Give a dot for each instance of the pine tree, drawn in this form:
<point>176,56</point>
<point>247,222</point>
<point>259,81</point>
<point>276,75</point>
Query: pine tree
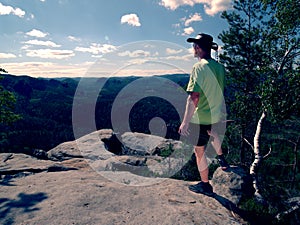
<point>7,103</point>
<point>261,54</point>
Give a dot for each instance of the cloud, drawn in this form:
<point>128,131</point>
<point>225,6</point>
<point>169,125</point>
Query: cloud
<point>96,49</point>
<point>50,53</point>
<point>135,54</point>
<point>42,43</point>
<point>211,7</point>
<point>7,55</point>
<point>72,38</point>
<point>131,19</point>
<point>193,18</point>
<point>36,33</point>
<point>170,51</point>
<point>188,31</point>
<point>47,69</point>
<point>6,10</point>
<point>217,6</point>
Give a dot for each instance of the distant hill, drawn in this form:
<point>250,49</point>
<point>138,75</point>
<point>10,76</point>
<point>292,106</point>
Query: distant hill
<point>46,109</point>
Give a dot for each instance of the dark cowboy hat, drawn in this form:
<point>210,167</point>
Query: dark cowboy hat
<point>204,41</point>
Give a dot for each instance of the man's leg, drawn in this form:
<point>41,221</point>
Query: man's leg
<point>216,143</point>
<point>202,187</point>
<point>201,162</point>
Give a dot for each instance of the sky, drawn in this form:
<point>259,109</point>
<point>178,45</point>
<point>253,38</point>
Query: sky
<point>75,38</point>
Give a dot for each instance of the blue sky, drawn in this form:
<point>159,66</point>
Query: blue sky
<point>65,38</point>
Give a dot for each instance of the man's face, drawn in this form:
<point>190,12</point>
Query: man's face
<point>198,52</point>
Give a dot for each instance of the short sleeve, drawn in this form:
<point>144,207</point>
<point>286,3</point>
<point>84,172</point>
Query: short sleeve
<point>193,85</point>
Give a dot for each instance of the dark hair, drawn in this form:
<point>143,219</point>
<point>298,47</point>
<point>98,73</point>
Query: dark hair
<point>208,46</point>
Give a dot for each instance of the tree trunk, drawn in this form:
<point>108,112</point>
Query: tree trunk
<point>295,165</point>
<point>258,158</point>
<point>242,148</point>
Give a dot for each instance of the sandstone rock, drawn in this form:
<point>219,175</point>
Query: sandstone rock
<point>85,197</point>
<point>145,144</point>
<point>14,163</point>
<point>92,185</point>
<point>232,184</point>
<point>19,165</point>
<point>93,148</point>
<point>89,147</point>
<point>64,151</point>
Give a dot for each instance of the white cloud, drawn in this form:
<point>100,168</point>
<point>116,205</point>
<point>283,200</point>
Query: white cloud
<point>6,10</point>
<point>217,6</point>
<point>50,53</point>
<point>180,58</point>
<point>42,43</point>
<point>211,7</point>
<point>36,33</point>
<point>135,54</point>
<point>131,19</point>
<point>193,18</point>
<point>188,31</point>
<point>72,38</point>
<point>170,51</point>
<point>47,69</point>
<point>96,49</point>
<point>7,55</point>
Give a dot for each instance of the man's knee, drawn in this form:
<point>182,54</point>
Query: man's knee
<point>199,151</point>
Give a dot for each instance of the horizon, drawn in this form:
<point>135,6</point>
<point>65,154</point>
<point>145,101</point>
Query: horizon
<point>106,77</point>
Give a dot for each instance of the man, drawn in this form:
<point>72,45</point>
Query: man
<point>203,107</point>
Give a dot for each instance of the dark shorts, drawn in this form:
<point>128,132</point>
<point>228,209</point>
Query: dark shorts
<point>198,134</point>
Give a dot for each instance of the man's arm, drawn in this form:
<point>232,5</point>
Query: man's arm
<point>191,104</point>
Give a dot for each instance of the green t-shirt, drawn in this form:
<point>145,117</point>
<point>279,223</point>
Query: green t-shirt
<point>207,78</point>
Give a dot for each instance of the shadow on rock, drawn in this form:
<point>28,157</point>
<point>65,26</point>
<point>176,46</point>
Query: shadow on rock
<point>231,206</point>
<point>6,181</point>
<point>25,202</point>
<point>237,212</point>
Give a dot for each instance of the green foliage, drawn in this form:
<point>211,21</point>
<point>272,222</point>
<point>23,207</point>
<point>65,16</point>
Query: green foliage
<point>166,152</point>
<point>281,96</point>
<point>7,103</point>
<point>46,109</point>
<point>261,54</point>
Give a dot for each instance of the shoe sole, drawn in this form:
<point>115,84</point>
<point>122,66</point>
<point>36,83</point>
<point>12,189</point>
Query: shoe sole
<point>210,194</point>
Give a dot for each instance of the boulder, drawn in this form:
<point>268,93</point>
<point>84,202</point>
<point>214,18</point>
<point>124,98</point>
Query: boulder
<point>64,151</point>
<point>233,183</point>
<point>146,144</point>
<point>92,147</point>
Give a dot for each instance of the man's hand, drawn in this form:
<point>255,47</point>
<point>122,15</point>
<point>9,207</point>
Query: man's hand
<point>183,129</point>
<point>191,104</point>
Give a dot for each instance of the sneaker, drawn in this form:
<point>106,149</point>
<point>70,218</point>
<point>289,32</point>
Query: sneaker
<point>202,188</point>
<point>221,160</point>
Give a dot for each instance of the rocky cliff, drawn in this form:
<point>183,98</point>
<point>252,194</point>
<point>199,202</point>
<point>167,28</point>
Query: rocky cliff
<point>98,180</point>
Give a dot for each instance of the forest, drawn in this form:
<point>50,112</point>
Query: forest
<point>260,51</point>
